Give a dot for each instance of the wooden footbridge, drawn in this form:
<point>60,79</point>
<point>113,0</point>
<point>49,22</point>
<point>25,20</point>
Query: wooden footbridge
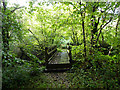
<point>58,61</point>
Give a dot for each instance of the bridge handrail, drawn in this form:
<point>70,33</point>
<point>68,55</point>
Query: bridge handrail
<point>49,53</point>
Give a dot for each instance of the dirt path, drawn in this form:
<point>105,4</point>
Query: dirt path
<point>58,80</point>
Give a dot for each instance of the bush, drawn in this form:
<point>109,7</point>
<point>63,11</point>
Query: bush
<point>14,77</point>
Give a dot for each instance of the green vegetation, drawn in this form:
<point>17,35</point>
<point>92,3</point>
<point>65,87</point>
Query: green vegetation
<point>91,28</point>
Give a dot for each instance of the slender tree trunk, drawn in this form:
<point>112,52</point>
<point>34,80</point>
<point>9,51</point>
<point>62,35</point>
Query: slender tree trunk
<point>94,26</point>
<point>117,27</point>
<point>0,46</point>
<point>102,38</point>
<point>83,28</point>
<point>73,36</point>
<point>84,40</point>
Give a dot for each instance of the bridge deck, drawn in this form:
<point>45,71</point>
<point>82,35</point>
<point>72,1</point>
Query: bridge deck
<point>59,63</point>
<point>60,58</point>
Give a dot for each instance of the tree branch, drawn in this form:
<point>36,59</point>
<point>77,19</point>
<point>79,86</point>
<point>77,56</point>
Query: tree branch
<point>98,20</point>
<point>4,5</point>
<point>14,10</point>
<point>35,37</point>
<point>75,6</point>
<point>102,28</point>
<point>104,17</point>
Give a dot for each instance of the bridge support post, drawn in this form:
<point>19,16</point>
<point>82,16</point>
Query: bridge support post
<point>70,55</point>
<point>46,56</point>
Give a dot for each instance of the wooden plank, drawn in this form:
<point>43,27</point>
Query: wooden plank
<point>74,44</point>
<point>57,66</point>
<point>56,71</point>
<point>52,51</point>
<point>51,48</point>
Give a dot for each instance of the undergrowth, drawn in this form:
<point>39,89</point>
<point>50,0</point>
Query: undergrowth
<point>17,76</point>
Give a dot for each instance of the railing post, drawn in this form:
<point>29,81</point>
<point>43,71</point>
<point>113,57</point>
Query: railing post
<point>46,56</point>
<point>70,54</point>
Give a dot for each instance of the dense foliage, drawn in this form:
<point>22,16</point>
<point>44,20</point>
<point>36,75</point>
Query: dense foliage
<point>91,28</point>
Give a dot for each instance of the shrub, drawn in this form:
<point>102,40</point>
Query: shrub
<point>14,77</point>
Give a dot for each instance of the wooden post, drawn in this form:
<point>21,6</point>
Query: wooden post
<point>70,54</point>
<point>46,56</point>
